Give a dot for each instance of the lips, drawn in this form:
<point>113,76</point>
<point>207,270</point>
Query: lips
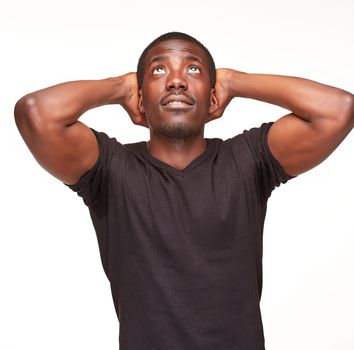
<point>177,100</point>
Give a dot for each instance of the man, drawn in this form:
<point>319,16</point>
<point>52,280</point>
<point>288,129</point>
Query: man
<point>179,219</point>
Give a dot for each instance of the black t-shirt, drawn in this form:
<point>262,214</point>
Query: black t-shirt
<point>182,249</point>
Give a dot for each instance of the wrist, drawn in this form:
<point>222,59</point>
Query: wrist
<point>117,88</point>
<point>235,82</point>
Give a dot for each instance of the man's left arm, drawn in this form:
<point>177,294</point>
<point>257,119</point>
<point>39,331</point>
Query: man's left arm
<point>322,115</point>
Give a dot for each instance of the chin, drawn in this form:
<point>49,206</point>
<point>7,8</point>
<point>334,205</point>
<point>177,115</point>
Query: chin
<point>178,131</point>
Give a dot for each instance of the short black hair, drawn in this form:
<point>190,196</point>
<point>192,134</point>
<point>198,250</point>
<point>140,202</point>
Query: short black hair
<point>175,36</point>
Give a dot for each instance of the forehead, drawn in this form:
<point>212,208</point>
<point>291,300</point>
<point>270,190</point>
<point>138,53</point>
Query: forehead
<point>176,48</point>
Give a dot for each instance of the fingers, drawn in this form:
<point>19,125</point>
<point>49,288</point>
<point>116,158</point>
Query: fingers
<point>139,120</point>
<point>215,115</point>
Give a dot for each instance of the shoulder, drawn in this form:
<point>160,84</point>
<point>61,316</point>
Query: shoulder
<point>250,140</point>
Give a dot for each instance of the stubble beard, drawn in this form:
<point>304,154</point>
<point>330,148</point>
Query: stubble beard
<point>177,131</point>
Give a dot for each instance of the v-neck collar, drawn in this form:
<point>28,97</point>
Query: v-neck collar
<point>171,169</point>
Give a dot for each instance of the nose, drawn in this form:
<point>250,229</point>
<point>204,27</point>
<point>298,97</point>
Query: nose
<point>176,81</point>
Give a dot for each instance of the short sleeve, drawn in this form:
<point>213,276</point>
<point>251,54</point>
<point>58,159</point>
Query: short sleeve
<point>269,171</point>
<point>93,185</point>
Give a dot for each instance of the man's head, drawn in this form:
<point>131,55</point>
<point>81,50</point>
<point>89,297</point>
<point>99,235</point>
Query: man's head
<point>176,77</point>
<point>175,36</point>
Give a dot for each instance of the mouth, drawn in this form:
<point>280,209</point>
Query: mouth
<point>177,101</point>
<point>177,105</point>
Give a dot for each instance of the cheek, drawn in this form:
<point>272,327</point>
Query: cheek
<point>201,89</point>
<point>153,91</point>
<point>204,98</point>
<point>151,102</point>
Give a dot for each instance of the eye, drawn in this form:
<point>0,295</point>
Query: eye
<point>158,70</point>
<point>194,69</point>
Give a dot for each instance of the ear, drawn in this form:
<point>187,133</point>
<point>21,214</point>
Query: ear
<point>214,103</point>
<point>140,102</point>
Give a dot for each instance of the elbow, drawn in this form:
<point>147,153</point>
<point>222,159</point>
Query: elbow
<point>346,115</point>
<point>25,112</point>
<point>23,107</point>
<point>340,120</point>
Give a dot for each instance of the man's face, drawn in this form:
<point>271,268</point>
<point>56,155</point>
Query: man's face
<point>176,95</point>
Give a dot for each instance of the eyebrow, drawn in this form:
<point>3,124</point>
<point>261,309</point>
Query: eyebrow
<point>165,58</point>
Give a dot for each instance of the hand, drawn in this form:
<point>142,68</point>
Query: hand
<point>222,92</point>
<point>131,100</point>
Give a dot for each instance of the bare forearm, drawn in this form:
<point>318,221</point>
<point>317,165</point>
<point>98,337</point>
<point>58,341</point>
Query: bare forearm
<point>66,102</point>
<point>307,99</point>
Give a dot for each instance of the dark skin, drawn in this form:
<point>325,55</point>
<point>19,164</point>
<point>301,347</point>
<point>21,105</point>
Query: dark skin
<point>321,115</point>
<point>176,91</point>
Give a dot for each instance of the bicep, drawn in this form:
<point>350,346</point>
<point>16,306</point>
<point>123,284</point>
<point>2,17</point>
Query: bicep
<point>66,152</point>
<point>299,145</point>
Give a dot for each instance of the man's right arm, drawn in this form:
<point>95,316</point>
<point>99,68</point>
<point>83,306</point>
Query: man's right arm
<point>48,122</point>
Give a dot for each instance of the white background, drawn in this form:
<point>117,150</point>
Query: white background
<point>54,294</point>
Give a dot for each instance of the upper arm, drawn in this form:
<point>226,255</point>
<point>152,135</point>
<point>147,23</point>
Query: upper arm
<point>300,145</point>
<point>66,152</point>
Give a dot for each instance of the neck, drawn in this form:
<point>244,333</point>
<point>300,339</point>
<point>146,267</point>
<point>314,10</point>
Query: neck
<point>177,153</point>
